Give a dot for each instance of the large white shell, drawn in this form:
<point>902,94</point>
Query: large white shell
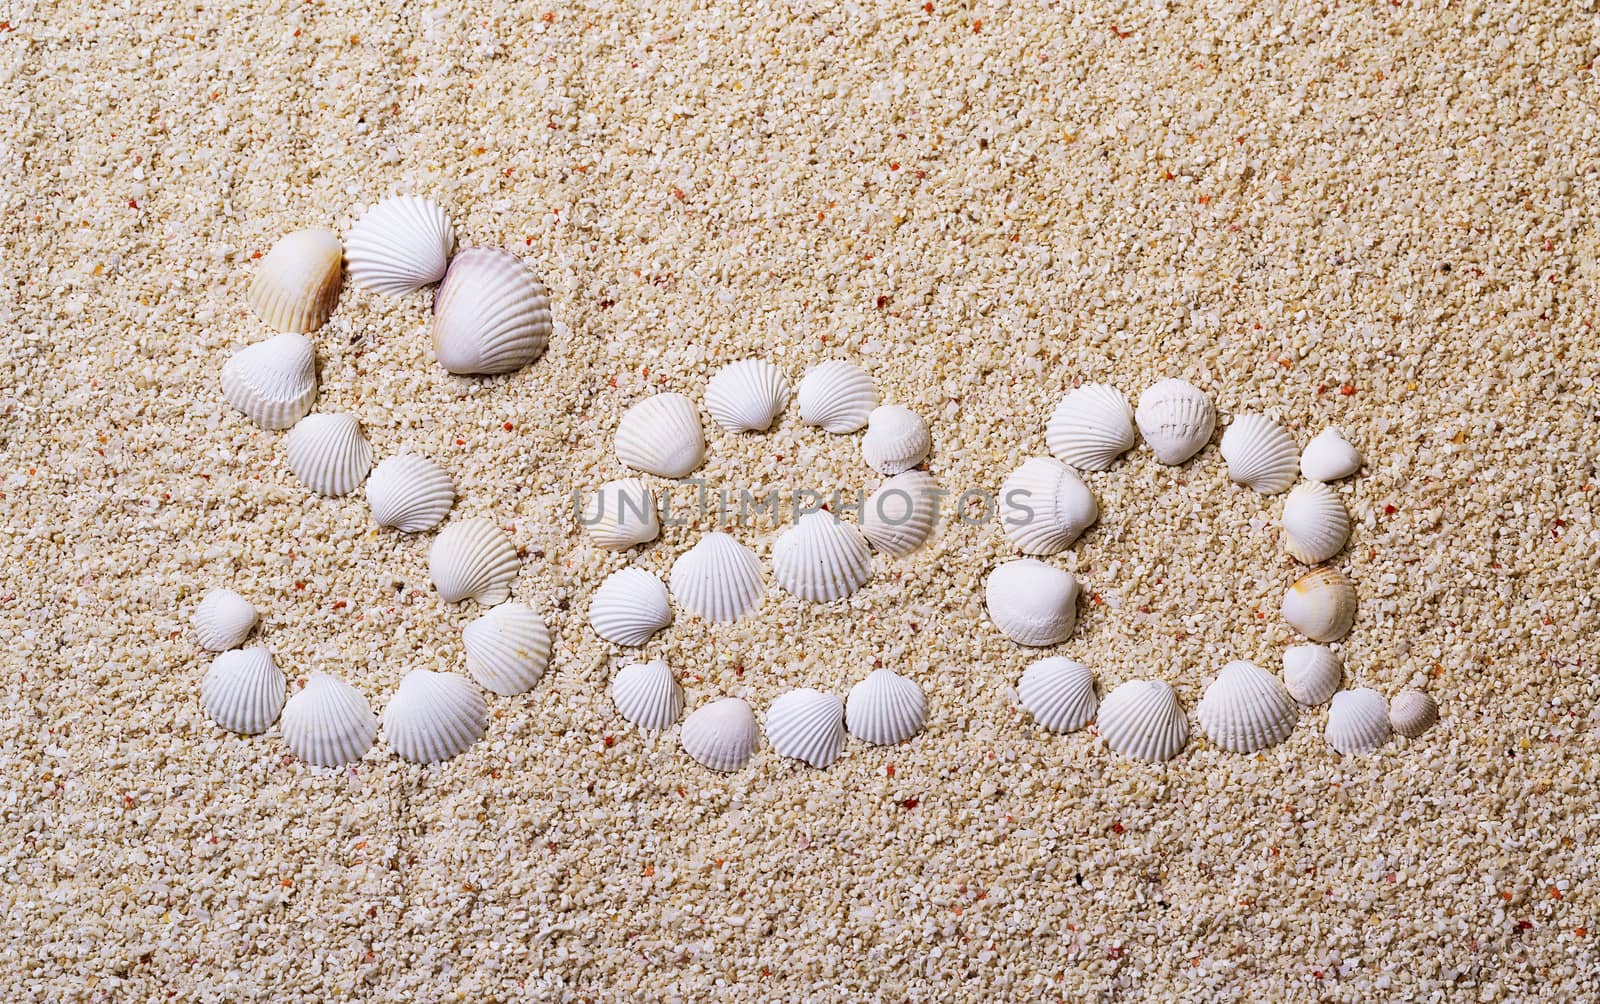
<point>1413,713</point>
<point>273,382</point>
<point>399,245</point>
<point>329,723</point>
<point>721,735</point>
<point>328,453</point>
<point>629,607</point>
<point>1315,523</point>
<point>821,558</point>
<point>886,708</point>
<point>661,435</point>
<point>223,620</point>
<point>410,493</point>
<point>1044,506</point>
<point>718,579</point>
<point>1246,709</point>
<point>243,690</point>
<point>1059,693</point>
<point>648,695</point>
<point>490,315</point>
<point>899,516</point>
<point>1321,604</point>
<point>1358,721</point>
<point>1032,603</point>
<point>473,559</point>
<point>1329,457</point>
<point>747,396</point>
<point>622,514</point>
<point>297,284</point>
<point>508,649</point>
<point>838,396</point>
<point>897,440</point>
<point>434,716</point>
<point>1091,427</point>
<point>807,725</point>
<point>1142,719</point>
<point>1261,454</point>
<point>1176,419</point>
<point>1311,673</point>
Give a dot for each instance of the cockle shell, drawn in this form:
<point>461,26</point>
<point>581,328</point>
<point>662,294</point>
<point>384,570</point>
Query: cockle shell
<point>508,649</point>
<point>1329,457</point>
<point>897,440</point>
<point>648,695</point>
<point>807,725</point>
<point>273,382</point>
<point>1032,603</point>
<point>661,435</point>
<point>328,453</point>
<point>747,396</point>
<point>838,396</point>
<point>1142,719</point>
<point>821,558</point>
<point>223,620</point>
<point>243,690</point>
<point>622,514</point>
<point>297,284</point>
<point>1246,709</point>
<point>490,315</point>
<point>718,579</point>
<point>410,493</point>
<point>1059,693</point>
<point>1311,673</point>
<point>1358,721</point>
<point>1261,454</point>
<point>886,708</point>
<point>1091,427</point>
<point>1044,506</point>
<point>1413,713</point>
<point>721,735</point>
<point>399,245</point>
<point>473,559</point>
<point>629,607</point>
<point>1315,523</point>
<point>1321,604</point>
<point>329,723</point>
<point>899,516</point>
<point>1176,419</point>
<point>434,716</point>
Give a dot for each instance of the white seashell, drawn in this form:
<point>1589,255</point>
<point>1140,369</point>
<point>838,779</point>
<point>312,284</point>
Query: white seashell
<point>1321,604</point>
<point>747,396</point>
<point>838,396</point>
<point>223,620</point>
<point>622,514</point>
<point>508,649</point>
<point>886,708</point>
<point>434,716</point>
<point>297,284</point>
<point>1032,603</point>
<point>1315,523</point>
<point>1091,427</point>
<point>1246,709</point>
<point>410,493</point>
<point>243,690</point>
<point>629,607</point>
<point>1176,419</point>
<point>807,725</point>
<point>648,695</point>
<point>399,245</point>
<point>1413,713</point>
<point>1311,673</point>
<point>718,579</point>
<point>273,382</point>
<point>1358,721</point>
<point>896,441</point>
<point>1261,454</point>
<point>1059,693</point>
<point>1044,506</point>
<point>821,558</point>
<point>1329,457</point>
<point>1142,719</point>
<point>329,723</point>
<point>328,453</point>
<point>898,518</point>
<point>721,735</point>
<point>473,559</point>
<point>490,315</point>
<point>661,435</point>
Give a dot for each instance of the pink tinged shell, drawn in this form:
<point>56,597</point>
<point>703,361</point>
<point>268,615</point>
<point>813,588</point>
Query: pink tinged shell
<point>491,314</point>
<point>1413,713</point>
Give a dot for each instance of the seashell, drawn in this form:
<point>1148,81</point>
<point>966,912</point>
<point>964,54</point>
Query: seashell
<point>508,649</point>
<point>886,708</point>
<point>490,315</point>
<point>896,440</point>
<point>223,620</point>
<point>1329,457</point>
<point>1413,713</point>
<point>1261,454</point>
<point>1044,506</point>
<point>898,518</point>
<point>273,382</point>
<point>838,396</point>
<point>434,716</point>
<point>328,453</point>
<point>718,579</point>
<point>329,723</point>
<point>1059,693</point>
<point>1091,427</point>
<point>1321,604</point>
<point>296,285</point>
<point>721,735</point>
<point>1142,719</point>
<point>661,435</point>
<point>622,514</point>
<point>243,690</point>
<point>399,245</point>
<point>821,558</point>
<point>1358,721</point>
<point>807,725</point>
<point>1315,524</point>
<point>629,607</point>
<point>747,396</point>
<point>1032,603</point>
<point>1311,673</point>
<point>1176,419</point>
<point>648,695</point>
<point>410,493</point>
<point>473,559</point>
<point>1246,709</point>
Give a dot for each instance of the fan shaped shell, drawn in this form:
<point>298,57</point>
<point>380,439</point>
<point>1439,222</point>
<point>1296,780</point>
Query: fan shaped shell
<point>821,558</point>
<point>1311,673</point>
<point>648,695</point>
<point>1091,427</point>
<point>899,516</point>
<point>1358,721</point>
<point>273,382</point>
<point>896,441</point>
<point>1413,713</point>
<point>329,723</point>
<point>1261,454</point>
<point>1032,603</point>
<point>1044,506</point>
<point>747,396</point>
<point>622,514</point>
<point>473,559</point>
<point>721,735</point>
<point>434,716</point>
<point>718,579</point>
<point>491,314</point>
<point>807,725</point>
<point>1321,604</point>
<point>1059,694</point>
<point>1176,419</point>
<point>223,620</point>
<point>838,396</point>
<point>629,607</point>
<point>508,649</point>
<point>1246,709</point>
<point>886,708</point>
<point>1315,523</point>
<point>410,493</point>
<point>243,690</point>
<point>399,245</point>
<point>661,435</point>
<point>296,285</point>
<point>1329,457</point>
<point>1142,719</point>
<point>328,453</point>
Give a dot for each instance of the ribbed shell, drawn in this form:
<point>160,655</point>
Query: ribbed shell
<point>328,453</point>
<point>223,620</point>
<point>1176,419</point>
<point>747,396</point>
<point>661,435</point>
<point>622,514</point>
<point>821,558</point>
<point>296,285</point>
<point>1261,454</point>
<point>718,579</point>
<point>1358,721</point>
<point>1142,719</point>
<point>1413,713</point>
<point>243,690</point>
<point>1329,457</point>
<point>1044,506</point>
<point>629,607</point>
<point>273,382</point>
<point>807,725</point>
<point>399,245</point>
<point>508,649</point>
<point>434,716</point>
<point>899,516</point>
<point>473,559</point>
<point>410,493</point>
<point>1059,694</point>
<point>329,723</point>
<point>1321,604</point>
<point>896,441</point>
<point>648,695</point>
<point>886,708</point>
<point>721,735</point>
<point>1091,427</point>
<point>1315,523</point>
<point>1311,673</point>
<point>490,315</point>
<point>838,396</point>
<point>1032,603</point>
<point>1246,709</point>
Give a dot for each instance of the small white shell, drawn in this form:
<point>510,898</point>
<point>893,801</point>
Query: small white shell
<point>1246,709</point>
<point>1091,427</point>
<point>399,245</point>
<point>661,435</point>
<point>1311,673</point>
<point>648,695</point>
<point>1176,419</point>
<point>223,620</point>
<point>886,708</point>
<point>1321,604</point>
<point>622,514</point>
<point>273,382</point>
<point>747,396</point>
<point>297,284</point>
<point>1315,523</point>
<point>898,517</point>
<point>1142,719</point>
<point>473,559</point>
<point>629,607</point>
<point>807,725</point>
<point>1044,506</point>
<point>821,558</point>
<point>1358,721</point>
<point>508,649</point>
<point>410,493</point>
<point>490,315</point>
<point>838,396</point>
<point>896,441</point>
<point>1413,713</point>
<point>1329,457</point>
<point>329,723</point>
<point>243,690</point>
<point>721,735</point>
<point>434,716</point>
<point>718,579</point>
<point>328,453</point>
<point>1059,693</point>
<point>1261,454</point>
<point>1032,603</point>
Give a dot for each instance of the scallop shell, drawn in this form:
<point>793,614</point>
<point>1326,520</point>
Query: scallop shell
<point>896,441</point>
<point>807,725</point>
<point>1329,457</point>
<point>399,245</point>
<point>508,649</point>
<point>1032,603</point>
<point>1261,454</point>
<point>1044,506</point>
<point>1315,523</point>
<point>273,382</point>
<point>1358,721</point>
<point>1176,419</point>
<point>721,735</point>
<point>838,396</point>
<point>490,315</point>
<point>629,607</point>
<point>661,435</point>
<point>886,708</point>
<point>1142,719</point>
<point>328,453</point>
<point>622,514</point>
<point>329,723</point>
<point>434,716</point>
<point>1246,709</point>
<point>648,695</point>
<point>473,559</point>
<point>410,493</point>
<point>1311,673</point>
<point>898,518</point>
<point>1059,694</point>
<point>1413,713</point>
<point>747,396</point>
<point>1091,427</point>
<point>243,690</point>
<point>718,579</point>
<point>1321,604</point>
<point>821,558</point>
<point>296,285</point>
<point>223,620</point>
